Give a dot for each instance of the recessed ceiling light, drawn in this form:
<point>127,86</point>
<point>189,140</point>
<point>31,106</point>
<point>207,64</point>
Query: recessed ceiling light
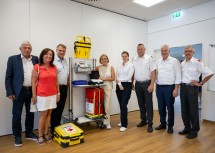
<point>148,3</point>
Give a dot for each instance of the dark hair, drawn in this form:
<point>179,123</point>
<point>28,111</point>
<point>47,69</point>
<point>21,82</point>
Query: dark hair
<point>125,52</point>
<point>44,52</point>
<point>140,45</point>
<point>61,45</point>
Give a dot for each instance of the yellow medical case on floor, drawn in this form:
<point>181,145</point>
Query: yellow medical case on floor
<point>82,47</point>
<point>68,134</point>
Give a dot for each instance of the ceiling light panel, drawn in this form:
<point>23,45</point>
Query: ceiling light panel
<point>148,3</point>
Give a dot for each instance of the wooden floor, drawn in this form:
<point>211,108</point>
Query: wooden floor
<point>134,140</point>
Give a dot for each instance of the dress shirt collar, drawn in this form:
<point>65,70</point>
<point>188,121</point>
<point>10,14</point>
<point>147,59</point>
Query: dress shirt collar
<point>141,56</point>
<point>125,63</point>
<point>57,58</point>
<point>191,60</point>
<point>166,59</point>
<point>26,58</point>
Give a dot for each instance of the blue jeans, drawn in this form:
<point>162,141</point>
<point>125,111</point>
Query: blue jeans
<point>123,98</point>
<point>166,100</point>
<point>23,99</point>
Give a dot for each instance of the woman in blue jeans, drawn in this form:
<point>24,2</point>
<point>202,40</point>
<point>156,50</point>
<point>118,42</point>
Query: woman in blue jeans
<point>123,88</point>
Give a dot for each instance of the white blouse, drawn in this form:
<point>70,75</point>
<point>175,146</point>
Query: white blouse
<point>125,72</point>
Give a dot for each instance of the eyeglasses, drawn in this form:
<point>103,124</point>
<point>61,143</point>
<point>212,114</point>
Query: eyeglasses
<point>188,51</point>
<point>26,48</point>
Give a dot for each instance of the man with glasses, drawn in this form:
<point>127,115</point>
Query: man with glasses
<point>191,71</point>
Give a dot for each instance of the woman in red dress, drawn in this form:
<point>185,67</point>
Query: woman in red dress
<point>45,91</point>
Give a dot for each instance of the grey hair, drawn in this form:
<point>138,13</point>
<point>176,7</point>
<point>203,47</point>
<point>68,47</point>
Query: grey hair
<point>189,47</point>
<point>25,43</point>
<point>165,46</point>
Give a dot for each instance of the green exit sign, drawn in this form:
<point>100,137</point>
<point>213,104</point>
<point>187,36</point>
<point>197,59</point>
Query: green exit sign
<point>176,15</point>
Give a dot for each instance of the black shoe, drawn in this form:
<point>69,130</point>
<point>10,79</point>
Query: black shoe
<point>170,130</point>
<point>192,135</point>
<point>52,136</point>
<point>183,132</point>
<point>160,127</point>
<point>31,136</point>
<point>18,141</point>
<point>141,124</point>
<point>149,129</point>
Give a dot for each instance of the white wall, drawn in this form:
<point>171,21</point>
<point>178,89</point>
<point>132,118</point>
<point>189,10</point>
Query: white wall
<point>14,27</point>
<point>47,23</point>
<point>195,26</point>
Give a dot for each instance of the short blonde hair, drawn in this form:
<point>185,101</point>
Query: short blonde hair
<point>101,58</point>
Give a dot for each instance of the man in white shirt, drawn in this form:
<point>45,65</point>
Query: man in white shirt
<point>63,78</point>
<point>168,80</point>
<point>191,71</point>
<point>144,74</point>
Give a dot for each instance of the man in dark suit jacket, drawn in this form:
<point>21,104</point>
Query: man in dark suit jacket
<point>18,89</point>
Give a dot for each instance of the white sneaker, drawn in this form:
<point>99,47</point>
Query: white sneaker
<point>119,124</point>
<point>108,126</point>
<point>122,129</point>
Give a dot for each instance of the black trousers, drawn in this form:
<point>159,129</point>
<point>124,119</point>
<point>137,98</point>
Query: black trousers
<point>23,99</point>
<point>58,111</point>
<point>123,98</point>
<point>189,107</point>
<point>145,102</point>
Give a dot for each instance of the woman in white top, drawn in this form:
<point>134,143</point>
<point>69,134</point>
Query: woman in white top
<point>125,72</point>
<point>107,74</point>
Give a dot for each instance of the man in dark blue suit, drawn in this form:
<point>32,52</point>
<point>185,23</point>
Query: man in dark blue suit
<point>18,89</point>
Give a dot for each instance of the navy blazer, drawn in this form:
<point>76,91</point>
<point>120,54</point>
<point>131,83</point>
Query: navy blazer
<point>14,77</point>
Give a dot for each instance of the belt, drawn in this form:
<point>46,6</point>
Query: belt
<point>165,85</point>
<point>27,87</point>
<point>146,81</point>
<point>186,84</point>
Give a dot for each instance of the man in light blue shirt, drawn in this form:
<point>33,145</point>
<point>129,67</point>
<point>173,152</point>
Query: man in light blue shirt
<point>62,70</point>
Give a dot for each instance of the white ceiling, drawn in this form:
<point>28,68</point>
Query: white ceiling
<point>128,8</point>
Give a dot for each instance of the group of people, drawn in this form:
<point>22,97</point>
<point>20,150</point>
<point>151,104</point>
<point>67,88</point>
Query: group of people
<point>47,85</point>
<point>169,75</point>
<point>42,81</point>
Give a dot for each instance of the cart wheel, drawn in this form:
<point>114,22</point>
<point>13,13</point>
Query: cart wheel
<point>97,124</point>
<point>76,121</point>
<point>102,126</point>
